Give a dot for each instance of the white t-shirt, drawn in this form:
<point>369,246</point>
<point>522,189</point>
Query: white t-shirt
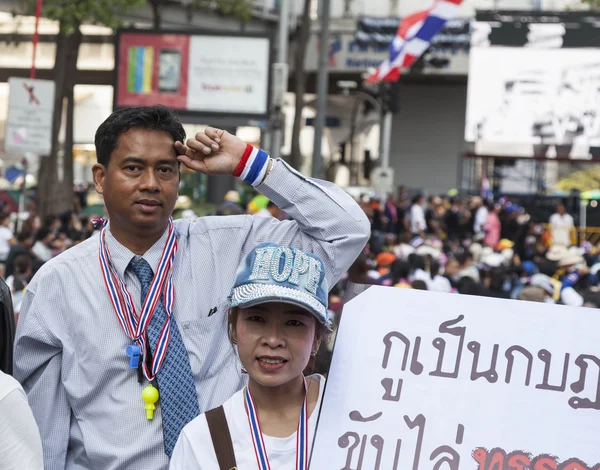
<point>440,284</point>
<point>403,251</point>
<point>417,219</point>
<point>42,251</point>
<point>20,443</point>
<point>5,236</point>
<point>561,229</point>
<point>480,217</point>
<point>194,449</point>
<point>420,275</point>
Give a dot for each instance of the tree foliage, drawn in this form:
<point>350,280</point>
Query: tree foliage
<point>592,3</point>
<point>240,9</point>
<point>71,14</point>
<point>585,180</point>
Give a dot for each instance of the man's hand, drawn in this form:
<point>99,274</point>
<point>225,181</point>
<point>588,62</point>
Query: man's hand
<point>212,152</point>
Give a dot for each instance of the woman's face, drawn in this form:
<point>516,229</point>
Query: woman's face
<point>275,341</point>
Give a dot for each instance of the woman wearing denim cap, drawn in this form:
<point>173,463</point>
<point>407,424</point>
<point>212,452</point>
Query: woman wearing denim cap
<point>277,320</point>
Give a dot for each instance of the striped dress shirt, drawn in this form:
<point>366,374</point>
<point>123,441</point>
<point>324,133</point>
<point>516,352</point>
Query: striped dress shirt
<point>70,348</point>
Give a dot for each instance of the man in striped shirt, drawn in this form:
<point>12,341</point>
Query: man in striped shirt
<point>71,350</point>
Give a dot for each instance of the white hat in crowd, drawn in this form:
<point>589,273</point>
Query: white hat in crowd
<point>557,252</point>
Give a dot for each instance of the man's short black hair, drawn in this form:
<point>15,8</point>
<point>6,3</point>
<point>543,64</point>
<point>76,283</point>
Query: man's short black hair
<point>42,233</point>
<point>417,198</point>
<point>22,263</point>
<point>49,220</point>
<point>23,236</point>
<point>151,118</point>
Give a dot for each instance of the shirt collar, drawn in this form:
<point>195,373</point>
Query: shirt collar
<point>121,256</point>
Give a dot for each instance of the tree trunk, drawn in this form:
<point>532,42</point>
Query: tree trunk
<point>67,174</point>
<point>55,196</point>
<point>156,16</point>
<point>48,176</point>
<point>302,37</point>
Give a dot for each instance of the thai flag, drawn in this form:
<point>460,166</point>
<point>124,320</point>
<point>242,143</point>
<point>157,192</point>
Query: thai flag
<point>413,37</point>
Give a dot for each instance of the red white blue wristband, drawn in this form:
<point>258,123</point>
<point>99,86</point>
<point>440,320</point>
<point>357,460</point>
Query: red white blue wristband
<point>253,166</point>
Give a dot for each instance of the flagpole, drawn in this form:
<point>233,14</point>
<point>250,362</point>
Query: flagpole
<point>280,69</point>
<point>322,91</point>
<point>385,138</point>
<point>388,92</point>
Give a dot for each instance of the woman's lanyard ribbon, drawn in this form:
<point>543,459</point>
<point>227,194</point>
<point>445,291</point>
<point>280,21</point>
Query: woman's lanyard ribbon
<point>262,459</point>
<point>133,324</point>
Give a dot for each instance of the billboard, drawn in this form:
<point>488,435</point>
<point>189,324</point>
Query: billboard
<point>198,74</point>
<point>534,85</point>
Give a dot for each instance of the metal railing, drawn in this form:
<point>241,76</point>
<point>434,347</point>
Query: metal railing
<point>581,234</point>
<point>588,234</point>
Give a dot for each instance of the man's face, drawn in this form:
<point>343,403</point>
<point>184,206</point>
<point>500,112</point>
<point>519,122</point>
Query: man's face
<point>141,181</point>
<point>48,239</point>
<point>451,268</point>
<point>561,209</point>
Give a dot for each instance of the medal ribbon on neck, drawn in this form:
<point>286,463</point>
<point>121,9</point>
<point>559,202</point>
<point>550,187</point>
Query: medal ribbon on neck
<point>262,459</point>
<point>133,324</point>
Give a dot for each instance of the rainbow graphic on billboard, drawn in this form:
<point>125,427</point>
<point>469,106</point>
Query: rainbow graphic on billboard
<point>139,69</point>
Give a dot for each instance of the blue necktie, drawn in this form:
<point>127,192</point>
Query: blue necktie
<point>178,399</point>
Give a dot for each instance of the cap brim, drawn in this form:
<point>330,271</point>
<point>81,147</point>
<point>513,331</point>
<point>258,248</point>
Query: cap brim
<point>248,295</point>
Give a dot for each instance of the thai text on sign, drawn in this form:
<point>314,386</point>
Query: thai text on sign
<point>429,381</point>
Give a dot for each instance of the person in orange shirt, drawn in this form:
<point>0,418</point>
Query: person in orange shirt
<point>384,262</point>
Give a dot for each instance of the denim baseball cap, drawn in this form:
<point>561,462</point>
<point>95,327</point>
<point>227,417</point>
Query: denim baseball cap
<point>273,273</point>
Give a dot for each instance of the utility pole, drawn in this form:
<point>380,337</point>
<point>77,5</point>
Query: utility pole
<point>390,97</point>
<point>347,8</point>
<point>280,77</point>
<point>540,165</point>
<point>322,90</point>
<point>385,135</point>
<point>382,177</point>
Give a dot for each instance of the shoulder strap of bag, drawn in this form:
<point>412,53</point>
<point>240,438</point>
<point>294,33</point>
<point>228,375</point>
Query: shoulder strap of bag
<point>221,438</point>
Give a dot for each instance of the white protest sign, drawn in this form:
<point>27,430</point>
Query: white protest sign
<point>29,122</point>
<point>428,381</point>
<point>382,180</point>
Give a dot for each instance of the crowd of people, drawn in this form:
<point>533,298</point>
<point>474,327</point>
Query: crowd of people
<point>474,246</point>
<point>27,241</point>
<point>455,244</point>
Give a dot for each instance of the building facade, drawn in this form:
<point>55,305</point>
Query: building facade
<point>428,131</point>
<point>427,136</point>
